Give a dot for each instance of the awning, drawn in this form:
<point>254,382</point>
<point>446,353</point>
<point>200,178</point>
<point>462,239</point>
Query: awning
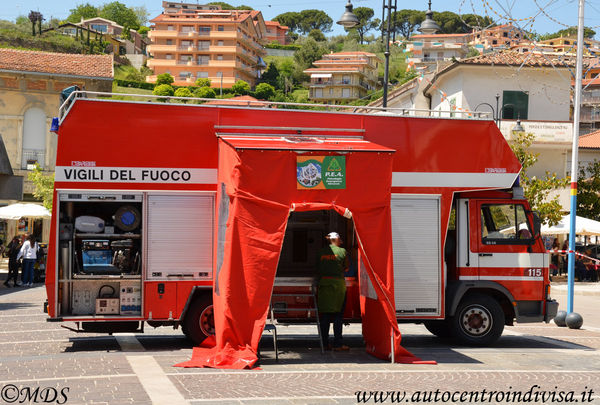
<point>303,143</point>
<point>23,210</point>
<point>320,75</point>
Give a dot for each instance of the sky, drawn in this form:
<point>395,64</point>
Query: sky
<point>563,11</point>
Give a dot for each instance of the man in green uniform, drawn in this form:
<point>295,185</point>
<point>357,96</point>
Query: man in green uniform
<point>331,300</point>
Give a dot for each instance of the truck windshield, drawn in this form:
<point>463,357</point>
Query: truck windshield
<point>504,223</point>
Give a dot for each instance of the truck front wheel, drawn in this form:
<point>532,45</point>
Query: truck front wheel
<point>199,321</point>
<point>478,321</point>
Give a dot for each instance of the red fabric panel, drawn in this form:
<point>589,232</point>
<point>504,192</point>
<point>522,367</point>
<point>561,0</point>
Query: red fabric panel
<point>259,205</point>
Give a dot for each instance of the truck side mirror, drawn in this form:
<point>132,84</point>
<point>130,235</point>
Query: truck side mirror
<point>537,224</point>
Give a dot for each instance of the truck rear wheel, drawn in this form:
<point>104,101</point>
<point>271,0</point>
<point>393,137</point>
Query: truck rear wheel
<point>199,321</point>
<point>440,329</point>
<point>479,320</point>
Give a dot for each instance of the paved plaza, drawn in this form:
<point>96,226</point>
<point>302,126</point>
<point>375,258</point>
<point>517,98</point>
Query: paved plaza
<point>128,368</point>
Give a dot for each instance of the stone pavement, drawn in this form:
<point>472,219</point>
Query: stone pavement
<point>138,369</point>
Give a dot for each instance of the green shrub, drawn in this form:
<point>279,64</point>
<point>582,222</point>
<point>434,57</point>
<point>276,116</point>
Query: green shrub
<point>135,84</point>
<point>163,90</point>
<point>264,91</point>
<point>205,92</point>
<point>183,92</point>
<point>241,88</point>
<point>203,82</point>
<point>164,78</point>
<point>277,45</point>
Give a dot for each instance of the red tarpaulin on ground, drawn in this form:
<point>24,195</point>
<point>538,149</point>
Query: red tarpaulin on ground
<point>257,190</point>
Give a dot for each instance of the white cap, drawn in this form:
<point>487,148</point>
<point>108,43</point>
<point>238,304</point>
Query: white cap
<point>333,235</point>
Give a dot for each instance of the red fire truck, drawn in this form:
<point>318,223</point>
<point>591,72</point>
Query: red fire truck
<point>134,235</point>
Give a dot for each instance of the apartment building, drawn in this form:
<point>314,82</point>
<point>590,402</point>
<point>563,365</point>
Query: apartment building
<point>192,42</point>
<point>502,36</point>
<point>276,33</point>
<point>431,50</point>
<point>344,76</point>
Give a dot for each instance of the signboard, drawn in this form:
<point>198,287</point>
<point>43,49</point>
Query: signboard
<point>321,172</point>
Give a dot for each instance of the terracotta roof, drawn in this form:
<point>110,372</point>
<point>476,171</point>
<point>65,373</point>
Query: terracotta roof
<point>512,58</point>
<point>69,64</point>
<point>275,23</point>
<point>590,141</point>
<point>332,69</point>
<point>352,53</point>
<point>239,101</point>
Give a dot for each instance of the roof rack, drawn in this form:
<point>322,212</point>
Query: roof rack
<point>64,109</point>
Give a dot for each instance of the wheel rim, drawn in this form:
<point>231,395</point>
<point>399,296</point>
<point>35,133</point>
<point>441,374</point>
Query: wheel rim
<point>207,321</point>
<point>476,320</point>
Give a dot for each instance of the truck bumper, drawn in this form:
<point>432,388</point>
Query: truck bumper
<point>551,310</point>
<point>533,311</point>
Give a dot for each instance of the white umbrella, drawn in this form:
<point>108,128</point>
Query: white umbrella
<point>584,226</point>
<point>23,210</point>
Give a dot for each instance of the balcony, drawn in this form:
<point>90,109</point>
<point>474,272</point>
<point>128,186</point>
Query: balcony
<point>162,34</point>
<point>161,62</point>
<point>590,97</point>
<point>31,157</point>
<point>590,115</point>
<point>160,48</point>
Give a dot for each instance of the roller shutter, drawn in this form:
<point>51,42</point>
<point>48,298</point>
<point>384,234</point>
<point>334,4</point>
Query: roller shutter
<point>416,241</point>
<point>180,236</point>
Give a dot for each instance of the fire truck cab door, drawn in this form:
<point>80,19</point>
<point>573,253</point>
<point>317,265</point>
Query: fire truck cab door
<point>506,248</point>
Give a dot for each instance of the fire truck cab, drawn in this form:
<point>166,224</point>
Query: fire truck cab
<point>135,233</point>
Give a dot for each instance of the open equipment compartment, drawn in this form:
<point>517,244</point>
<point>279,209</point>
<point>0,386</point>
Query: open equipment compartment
<point>100,253</point>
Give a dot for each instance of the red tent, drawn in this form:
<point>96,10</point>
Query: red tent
<point>258,187</point>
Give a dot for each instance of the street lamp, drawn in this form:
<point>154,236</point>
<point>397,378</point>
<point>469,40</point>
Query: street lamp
<point>518,128</point>
<point>349,20</point>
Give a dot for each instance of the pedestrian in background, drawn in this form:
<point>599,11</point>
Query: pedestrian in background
<point>13,249</point>
<point>29,254</point>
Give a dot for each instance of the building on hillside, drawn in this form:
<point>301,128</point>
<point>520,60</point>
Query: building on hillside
<point>589,148</point>
<point>134,45</point>
<point>115,44</point>
<point>30,86</point>
<point>568,45</point>
<point>525,88</point>
<point>343,76</point>
<point>222,45</point>
<point>276,33</point>
<point>590,98</point>
<point>499,37</point>
<point>431,51</point>
<point>174,7</point>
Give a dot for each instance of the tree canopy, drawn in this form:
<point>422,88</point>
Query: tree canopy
<point>82,11</point>
<point>567,32</point>
<point>227,6</point>
<point>121,14</point>
<point>588,191</point>
<point>305,21</point>
<point>309,52</point>
<point>405,22</point>
<point>367,23</point>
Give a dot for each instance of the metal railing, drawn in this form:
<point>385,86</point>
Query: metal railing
<point>420,112</point>
<point>31,157</point>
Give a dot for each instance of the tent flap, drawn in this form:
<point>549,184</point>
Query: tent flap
<point>258,207</point>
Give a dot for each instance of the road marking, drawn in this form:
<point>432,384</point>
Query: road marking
<point>157,385</point>
<point>129,343</point>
